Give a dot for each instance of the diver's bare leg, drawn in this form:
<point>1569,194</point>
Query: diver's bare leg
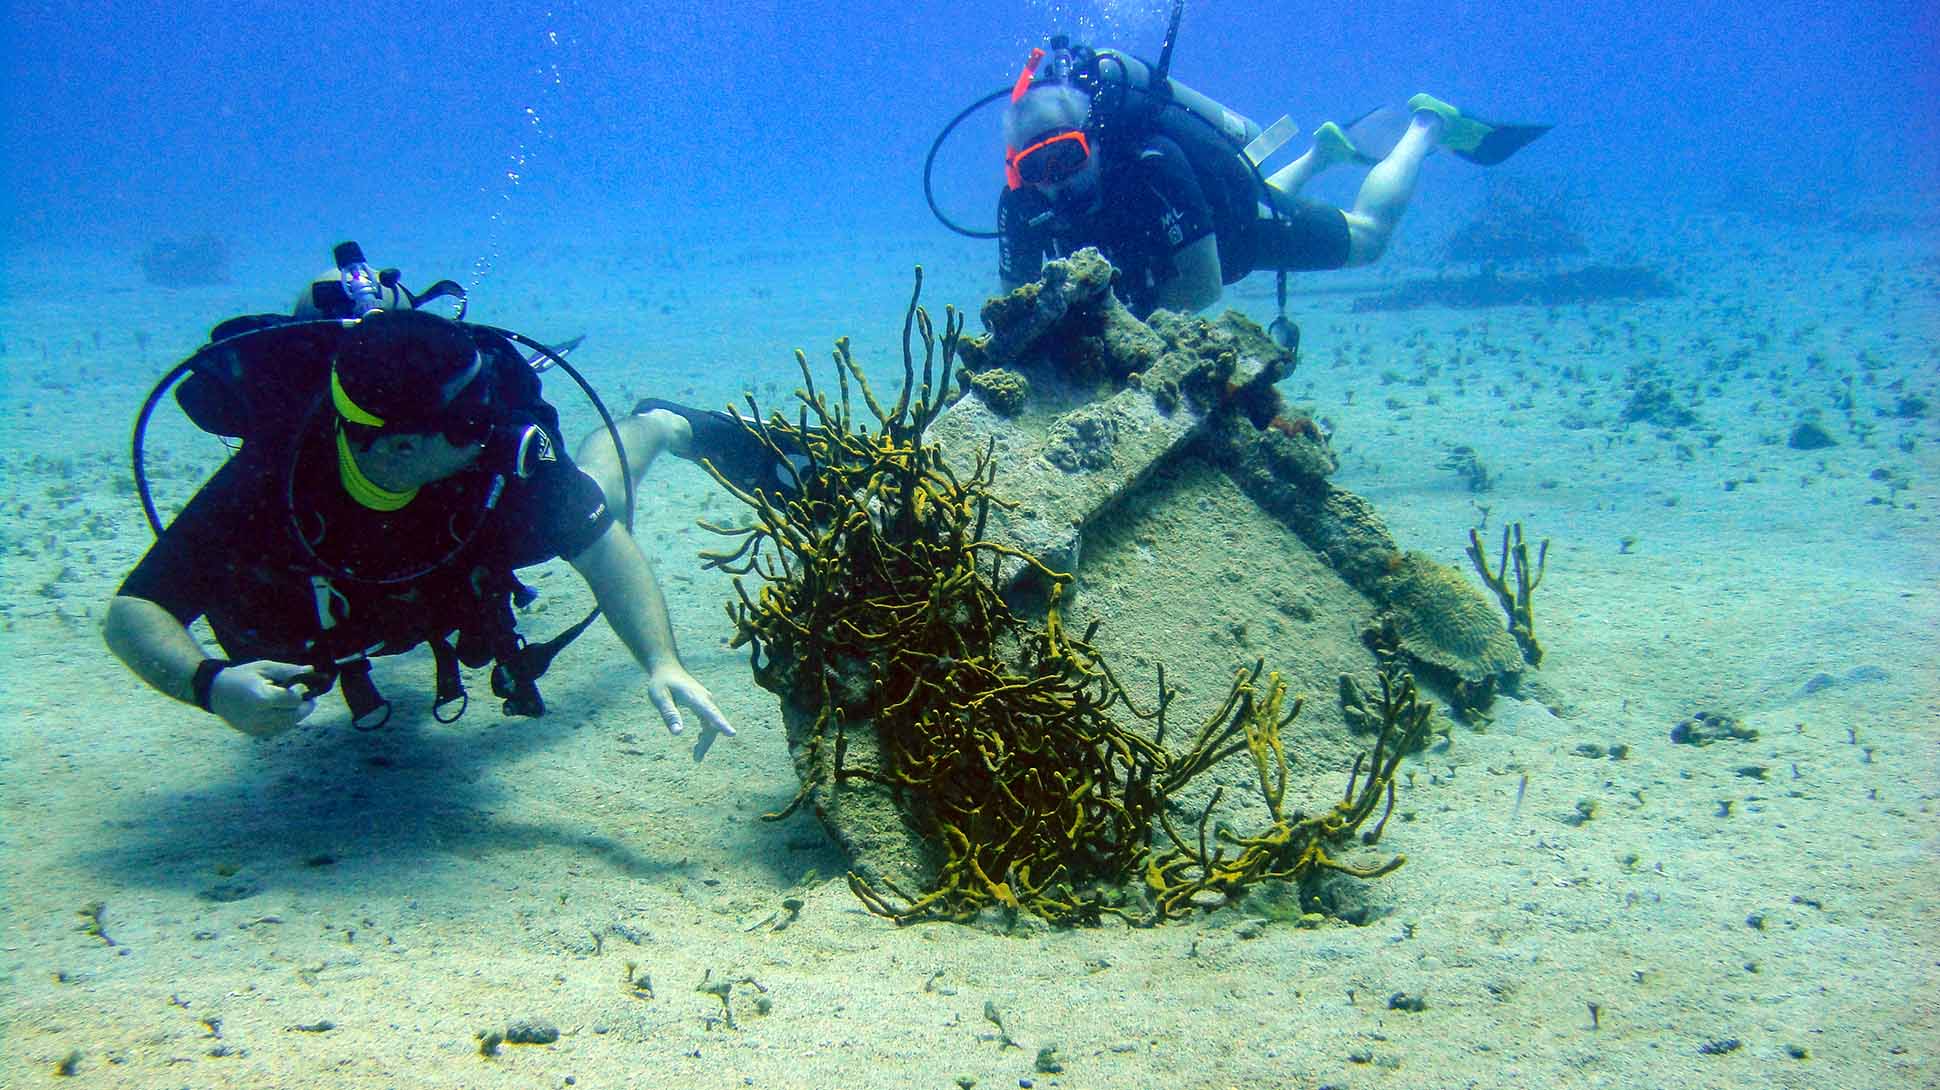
<point>646,436</point>
<point>1290,178</point>
<point>1390,184</point>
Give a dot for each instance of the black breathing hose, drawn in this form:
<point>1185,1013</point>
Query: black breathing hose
<point>929,164</point>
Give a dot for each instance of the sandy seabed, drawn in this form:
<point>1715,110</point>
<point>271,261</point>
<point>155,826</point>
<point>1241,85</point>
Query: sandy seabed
<point>186,907</point>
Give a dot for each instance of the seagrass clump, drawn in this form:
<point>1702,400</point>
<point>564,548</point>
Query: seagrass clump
<point>1007,741</point>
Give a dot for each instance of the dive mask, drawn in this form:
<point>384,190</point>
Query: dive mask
<point>1050,160</point>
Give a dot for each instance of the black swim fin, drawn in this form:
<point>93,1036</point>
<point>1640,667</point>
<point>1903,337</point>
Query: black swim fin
<point>1484,143</point>
<point>541,361</point>
<point>1502,142</point>
<point>734,451</point>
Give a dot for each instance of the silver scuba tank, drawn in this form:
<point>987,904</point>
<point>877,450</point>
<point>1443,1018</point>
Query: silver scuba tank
<point>1118,70</point>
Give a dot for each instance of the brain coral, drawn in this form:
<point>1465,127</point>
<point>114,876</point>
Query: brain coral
<point>1446,623</point>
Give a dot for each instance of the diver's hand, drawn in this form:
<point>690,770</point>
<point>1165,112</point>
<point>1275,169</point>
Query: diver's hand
<point>262,698</point>
<point>671,683</point>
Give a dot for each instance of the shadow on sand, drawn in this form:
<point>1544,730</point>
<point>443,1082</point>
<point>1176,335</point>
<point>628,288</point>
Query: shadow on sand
<point>328,805</point>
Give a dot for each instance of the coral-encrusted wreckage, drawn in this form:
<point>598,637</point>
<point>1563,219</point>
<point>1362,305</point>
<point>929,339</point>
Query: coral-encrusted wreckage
<point>1037,622</point>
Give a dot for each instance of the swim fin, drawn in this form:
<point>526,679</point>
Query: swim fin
<point>1365,140</point>
<point>542,361</point>
<point>732,449</point>
<point>1332,145</point>
<point>1484,143</point>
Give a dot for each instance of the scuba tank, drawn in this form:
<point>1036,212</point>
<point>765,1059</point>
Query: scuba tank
<point>1131,101</point>
<point>1132,93</point>
<point>1129,95</point>
<point>359,280</point>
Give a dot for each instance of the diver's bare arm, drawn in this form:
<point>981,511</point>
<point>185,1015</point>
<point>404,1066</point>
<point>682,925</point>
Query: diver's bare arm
<point>154,645</point>
<point>623,583</point>
<point>260,698</point>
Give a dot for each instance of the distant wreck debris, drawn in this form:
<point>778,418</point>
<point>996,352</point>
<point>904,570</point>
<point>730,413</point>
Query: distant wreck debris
<point>1526,248</point>
<point>1493,288</point>
<point>1523,221</point>
<point>178,262</point>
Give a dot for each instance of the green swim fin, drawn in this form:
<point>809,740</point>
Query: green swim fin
<point>1484,143</point>
<point>1333,145</point>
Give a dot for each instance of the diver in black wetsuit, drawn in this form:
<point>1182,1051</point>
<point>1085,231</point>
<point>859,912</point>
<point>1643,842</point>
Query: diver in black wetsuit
<point>1172,200</point>
<point>392,514</point>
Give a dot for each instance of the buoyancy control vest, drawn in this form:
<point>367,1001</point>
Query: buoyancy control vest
<point>263,379</point>
<point>1130,103</point>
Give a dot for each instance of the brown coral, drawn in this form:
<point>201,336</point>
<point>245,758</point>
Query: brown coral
<point>1444,623</point>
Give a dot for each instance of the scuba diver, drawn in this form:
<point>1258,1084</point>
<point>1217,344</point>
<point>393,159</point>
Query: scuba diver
<point>396,469</point>
<point>1104,150</point>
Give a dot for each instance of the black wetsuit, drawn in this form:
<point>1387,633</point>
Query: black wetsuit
<point>1158,198</point>
<point>233,555</point>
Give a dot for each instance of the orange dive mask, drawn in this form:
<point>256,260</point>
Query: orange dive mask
<point>1049,161</point>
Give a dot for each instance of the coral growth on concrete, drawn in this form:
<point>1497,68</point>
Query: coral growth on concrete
<point>967,756</point>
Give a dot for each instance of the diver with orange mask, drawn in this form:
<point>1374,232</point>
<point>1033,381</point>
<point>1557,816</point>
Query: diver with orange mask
<point>1105,150</point>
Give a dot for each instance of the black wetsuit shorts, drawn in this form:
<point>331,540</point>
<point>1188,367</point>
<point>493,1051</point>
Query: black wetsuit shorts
<point>1306,236</point>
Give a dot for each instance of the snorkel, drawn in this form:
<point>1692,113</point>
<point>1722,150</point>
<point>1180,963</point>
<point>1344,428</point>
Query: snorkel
<point>1164,68</point>
<point>1011,177</point>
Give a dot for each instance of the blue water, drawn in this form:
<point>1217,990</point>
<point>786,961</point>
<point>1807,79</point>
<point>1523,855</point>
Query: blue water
<point>679,127</point>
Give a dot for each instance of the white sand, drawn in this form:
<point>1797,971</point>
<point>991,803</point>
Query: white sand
<point>415,887</point>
